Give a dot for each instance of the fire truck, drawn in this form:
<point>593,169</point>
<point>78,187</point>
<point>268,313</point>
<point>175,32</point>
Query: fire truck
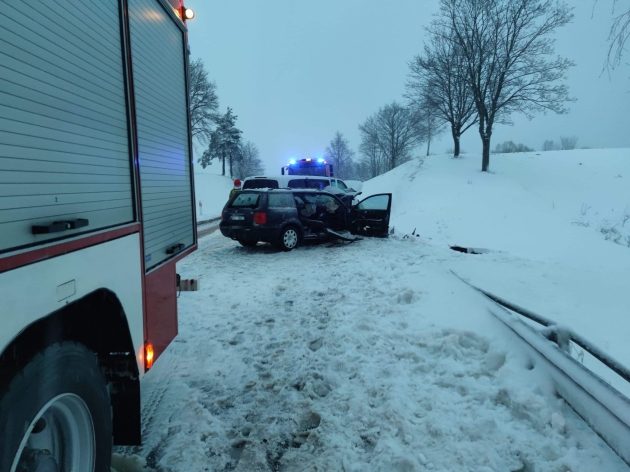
<point>308,166</point>
<point>96,208</point>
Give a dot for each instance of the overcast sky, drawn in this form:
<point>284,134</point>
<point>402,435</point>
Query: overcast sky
<point>295,72</point>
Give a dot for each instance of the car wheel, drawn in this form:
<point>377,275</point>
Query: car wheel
<point>55,414</point>
<point>289,238</point>
<point>247,243</point>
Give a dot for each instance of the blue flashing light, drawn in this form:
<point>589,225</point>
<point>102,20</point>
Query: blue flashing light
<point>292,162</point>
<point>321,161</point>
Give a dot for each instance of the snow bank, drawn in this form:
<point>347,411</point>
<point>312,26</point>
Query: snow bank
<point>211,193</point>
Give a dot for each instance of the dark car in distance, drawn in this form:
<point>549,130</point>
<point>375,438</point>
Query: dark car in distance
<point>286,217</point>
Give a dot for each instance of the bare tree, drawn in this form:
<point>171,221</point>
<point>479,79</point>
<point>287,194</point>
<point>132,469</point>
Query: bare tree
<point>372,162</point>
<point>438,86</point>
<point>340,155</point>
<point>432,124</point>
<point>248,162</point>
<point>508,46</point>
<point>549,145</point>
<point>618,35</point>
<point>394,131</point>
<point>568,142</point>
<point>203,102</point>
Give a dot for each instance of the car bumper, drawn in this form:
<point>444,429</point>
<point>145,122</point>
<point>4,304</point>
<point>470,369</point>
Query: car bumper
<point>268,235</point>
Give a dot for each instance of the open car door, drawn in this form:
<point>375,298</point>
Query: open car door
<point>371,215</point>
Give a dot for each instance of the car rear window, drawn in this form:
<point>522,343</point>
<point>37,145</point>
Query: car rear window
<point>297,183</point>
<point>309,183</point>
<point>281,200</point>
<point>317,183</point>
<point>260,183</point>
<point>245,200</point>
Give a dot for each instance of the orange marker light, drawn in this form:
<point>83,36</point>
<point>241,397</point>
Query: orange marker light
<point>149,356</point>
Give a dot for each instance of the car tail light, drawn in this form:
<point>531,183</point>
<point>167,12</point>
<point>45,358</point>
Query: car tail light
<point>260,218</point>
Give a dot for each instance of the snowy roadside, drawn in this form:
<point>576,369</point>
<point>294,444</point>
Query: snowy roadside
<point>362,357</point>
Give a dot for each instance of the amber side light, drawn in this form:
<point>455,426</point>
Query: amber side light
<point>149,356</point>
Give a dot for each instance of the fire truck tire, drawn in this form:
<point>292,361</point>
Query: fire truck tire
<point>55,414</point>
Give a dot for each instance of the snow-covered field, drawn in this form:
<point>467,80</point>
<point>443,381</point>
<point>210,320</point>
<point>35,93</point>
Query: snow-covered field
<point>374,357</point>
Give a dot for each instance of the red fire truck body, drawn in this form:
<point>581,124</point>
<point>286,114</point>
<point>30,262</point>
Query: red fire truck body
<point>96,208</point>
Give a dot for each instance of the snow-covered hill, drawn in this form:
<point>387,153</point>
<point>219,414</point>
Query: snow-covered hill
<point>529,204</point>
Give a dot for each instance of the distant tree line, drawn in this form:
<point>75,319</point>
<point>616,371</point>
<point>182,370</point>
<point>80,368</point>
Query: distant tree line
<point>508,147</point>
<point>565,143</point>
<point>217,132</point>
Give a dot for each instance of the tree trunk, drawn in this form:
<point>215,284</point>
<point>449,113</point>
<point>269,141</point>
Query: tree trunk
<point>231,173</point>
<point>485,131</point>
<point>456,135</point>
<point>223,163</point>
<point>485,159</point>
<point>428,146</point>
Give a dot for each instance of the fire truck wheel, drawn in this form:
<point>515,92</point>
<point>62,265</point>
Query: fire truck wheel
<point>55,414</point>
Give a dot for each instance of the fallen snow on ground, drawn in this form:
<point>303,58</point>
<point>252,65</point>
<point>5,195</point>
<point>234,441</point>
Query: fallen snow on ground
<point>373,356</point>
<point>368,356</point>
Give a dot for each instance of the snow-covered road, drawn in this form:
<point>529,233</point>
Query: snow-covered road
<point>362,357</point>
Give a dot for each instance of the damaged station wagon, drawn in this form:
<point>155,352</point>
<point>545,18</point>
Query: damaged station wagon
<point>286,217</point>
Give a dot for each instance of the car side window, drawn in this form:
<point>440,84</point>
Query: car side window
<point>281,200</point>
<point>376,202</point>
<point>327,204</point>
<point>245,200</point>
<point>307,205</point>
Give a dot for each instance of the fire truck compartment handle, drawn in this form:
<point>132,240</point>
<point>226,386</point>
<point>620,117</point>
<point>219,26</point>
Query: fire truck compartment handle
<point>175,248</point>
<point>59,226</point>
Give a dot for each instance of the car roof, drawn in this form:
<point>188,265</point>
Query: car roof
<point>286,178</point>
<point>286,190</point>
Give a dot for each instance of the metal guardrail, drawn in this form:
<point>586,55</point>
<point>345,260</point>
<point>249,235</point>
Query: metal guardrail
<point>601,405</point>
<point>561,335</point>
